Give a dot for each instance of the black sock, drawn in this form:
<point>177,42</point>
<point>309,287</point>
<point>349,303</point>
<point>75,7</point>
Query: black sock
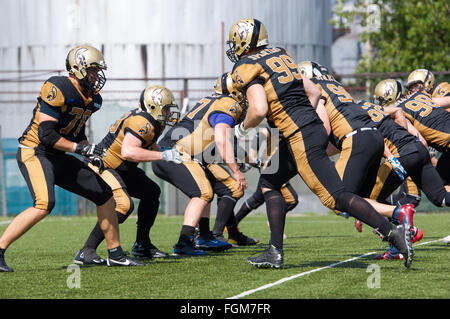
<point>2,252</point>
<point>203,226</point>
<point>362,210</point>
<point>115,253</point>
<point>147,211</point>
<point>186,233</point>
<point>276,214</point>
<point>225,207</point>
<point>95,238</point>
<point>233,231</point>
<point>243,211</point>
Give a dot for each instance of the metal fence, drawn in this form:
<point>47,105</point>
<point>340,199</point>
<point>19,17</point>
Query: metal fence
<point>14,193</point>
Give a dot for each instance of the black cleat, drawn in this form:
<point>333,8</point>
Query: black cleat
<point>400,238</point>
<point>241,240</point>
<point>272,257</point>
<point>88,257</point>
<point>123,261</point>
<point>147,251</point>
<point>3,266</point>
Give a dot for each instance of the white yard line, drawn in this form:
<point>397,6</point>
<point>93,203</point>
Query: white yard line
<point>283,280</point>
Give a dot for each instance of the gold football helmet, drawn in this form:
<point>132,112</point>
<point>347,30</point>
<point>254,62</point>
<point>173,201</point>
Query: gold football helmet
<point>225,86</point>
<point>160,103</point>
<point>311,69</point>
<point>87,64</point>
<point>244,35</point>
<point>388,91</point>
<point>421,76</point>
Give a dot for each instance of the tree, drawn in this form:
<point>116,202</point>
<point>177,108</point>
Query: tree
<point>412,34</point>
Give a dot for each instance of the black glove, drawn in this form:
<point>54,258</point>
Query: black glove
<point>90,150</point>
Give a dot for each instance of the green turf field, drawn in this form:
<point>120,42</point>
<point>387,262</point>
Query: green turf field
<point>41,258</point>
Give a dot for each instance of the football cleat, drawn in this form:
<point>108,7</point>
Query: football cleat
<point>3,266</point>
<point>390,254</point>
<point>88,257</point>
<point>123,261</point>
<point>416,234</point>
<point>406,214</point>
<point>187,248</point>
<point>358,225</point>
<point>272,257</point>
<point>241,240</point>
<point>147,251</point>
<point>211,242</point>
<point>400,238</point>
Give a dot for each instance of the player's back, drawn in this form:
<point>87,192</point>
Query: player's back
<point>432,121</point>
<point>344,113</point>
<point>136,122</point>
<point>273,68</point>
<point>193,134</point>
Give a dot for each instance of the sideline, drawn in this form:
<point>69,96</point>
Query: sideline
<point>278,282</point>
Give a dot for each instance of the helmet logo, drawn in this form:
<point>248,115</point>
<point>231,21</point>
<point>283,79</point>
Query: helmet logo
<point>80,58</point>
<point>243,30</point>
<point>389,89</point>
<point>157,96</point>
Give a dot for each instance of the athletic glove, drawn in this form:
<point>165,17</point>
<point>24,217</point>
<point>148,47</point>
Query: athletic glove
<point>397,167</point>
<point>240,131</point>
<point>89,150</point>
<point>172,155</point>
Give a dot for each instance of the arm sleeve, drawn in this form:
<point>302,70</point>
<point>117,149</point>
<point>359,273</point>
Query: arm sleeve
<point>46,108</point>
<point>217,118</point>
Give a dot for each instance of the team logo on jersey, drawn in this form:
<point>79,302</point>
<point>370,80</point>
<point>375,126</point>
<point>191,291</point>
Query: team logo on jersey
<point>51,95</point>
<point>145,130</point>
<point>235,108</point>
<point>237,79</point>
<point>80,58</point>
<point>243,30</point>
<point>157,96</point>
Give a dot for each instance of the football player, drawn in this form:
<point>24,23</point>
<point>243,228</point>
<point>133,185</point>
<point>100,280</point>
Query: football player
<point>355,135</point>
<point>432,121</point>
<point>202,132</point>
<point>57,128</point>
<point>257,198</point>
<point>275,88</point>
<point>131,140</point>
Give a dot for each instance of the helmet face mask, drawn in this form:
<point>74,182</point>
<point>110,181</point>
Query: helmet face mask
<point>86,64</point>
<point>245,34</point>
<point>387,92</point>
<point>159,102</point>
<point>420,76</point>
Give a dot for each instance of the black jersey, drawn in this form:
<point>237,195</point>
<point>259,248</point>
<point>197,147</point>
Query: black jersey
<point>273,68</point>
<point>136,122</point>
<point>399,141</point>
<point>432,121</point>
<point>60,99</point>
<point>344,113</point>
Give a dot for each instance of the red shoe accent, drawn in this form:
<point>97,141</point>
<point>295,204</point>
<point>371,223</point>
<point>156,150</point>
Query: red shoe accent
<point>386,256</point>
<point>358,225</point>
<point>416,233</point>
<point>409,211</point>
